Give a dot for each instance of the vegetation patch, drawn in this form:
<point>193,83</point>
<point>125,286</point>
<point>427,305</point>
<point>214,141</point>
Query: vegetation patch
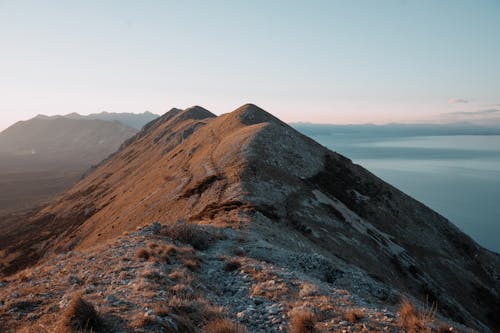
<point>302,321</point>
<point>188,233</point>
<point>80,316</point>
<point>224,326</point>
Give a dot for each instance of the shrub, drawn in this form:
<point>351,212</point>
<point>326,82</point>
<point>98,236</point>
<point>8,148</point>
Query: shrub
<point>224,326</point>
<point>187,233</point>
<point>80,316</point>
<point>302,321</point>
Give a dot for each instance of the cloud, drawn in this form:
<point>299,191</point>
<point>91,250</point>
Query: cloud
<point>475,113</point>
<point>458,101</point>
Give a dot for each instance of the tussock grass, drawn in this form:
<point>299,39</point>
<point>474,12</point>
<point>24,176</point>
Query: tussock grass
<point>302,321</point>
<point>188,233</point>
<point>354,315</point>
<point>413,320</point>
<point>80,316</point>
<point>143,254</point>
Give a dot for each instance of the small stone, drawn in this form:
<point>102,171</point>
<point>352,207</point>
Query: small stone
<point>111,299</point>
<point>258,300</point>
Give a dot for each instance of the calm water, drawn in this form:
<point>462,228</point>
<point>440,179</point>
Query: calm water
<point>458,176</point>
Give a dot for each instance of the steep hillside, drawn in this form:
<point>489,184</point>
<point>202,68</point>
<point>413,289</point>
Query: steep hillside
<point>249,171</point>
<point>41,157</point>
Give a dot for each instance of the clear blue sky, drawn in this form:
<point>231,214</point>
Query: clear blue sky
<point>320,61</point>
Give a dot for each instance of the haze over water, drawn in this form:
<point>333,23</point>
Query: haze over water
<point>456,175</point>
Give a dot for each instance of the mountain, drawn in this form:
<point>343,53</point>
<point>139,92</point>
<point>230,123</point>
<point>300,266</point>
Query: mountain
<point>134,120</point>
<point>42,156</point>
<point>245,185</point>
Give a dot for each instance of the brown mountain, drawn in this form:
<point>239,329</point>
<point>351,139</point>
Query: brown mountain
<point>43,156</point>
<point>249,171</point>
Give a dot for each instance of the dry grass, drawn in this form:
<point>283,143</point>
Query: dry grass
<point>354,315</point>
<point>413,320</point>
<point>152,324</point>
<point>270,289</point>
<point>80,316</point>
<point>232,265</point>
<point>302,321</point>
<point>191,263</point>
<point>224,326</point>
<point>143,254</point>
<point>168,252</point>
<point>192,234</point>
<point>181,275</point>
<point>308,290</point>
<point>152,245</point>
<point>187,310</point>
<point>182,291</point>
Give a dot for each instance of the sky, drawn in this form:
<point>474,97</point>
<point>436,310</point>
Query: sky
<point>304,61</point>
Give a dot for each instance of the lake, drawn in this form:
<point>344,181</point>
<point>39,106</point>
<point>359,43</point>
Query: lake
<point>456,175</point>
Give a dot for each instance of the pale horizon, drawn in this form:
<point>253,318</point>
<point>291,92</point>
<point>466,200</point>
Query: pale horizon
<point>332,62</point>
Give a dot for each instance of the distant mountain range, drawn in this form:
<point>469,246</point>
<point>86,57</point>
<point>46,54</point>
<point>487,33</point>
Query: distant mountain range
<point>134,120</point>
<point>42,156</point>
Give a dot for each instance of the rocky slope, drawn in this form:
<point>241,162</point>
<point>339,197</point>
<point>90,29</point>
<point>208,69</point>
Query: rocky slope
<point>153,281</point>
<point>303,209</point>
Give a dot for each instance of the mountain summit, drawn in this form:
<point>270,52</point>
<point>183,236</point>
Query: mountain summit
<point>250,172</point>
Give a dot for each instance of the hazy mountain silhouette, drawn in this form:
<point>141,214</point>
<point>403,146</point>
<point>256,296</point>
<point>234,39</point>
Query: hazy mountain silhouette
<point>42,156</point>
<point>134,120</point>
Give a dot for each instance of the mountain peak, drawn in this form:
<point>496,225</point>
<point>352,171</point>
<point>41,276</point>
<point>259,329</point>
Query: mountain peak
<point>196,113</point>
<point>41,116</point>
<point>251,114</point>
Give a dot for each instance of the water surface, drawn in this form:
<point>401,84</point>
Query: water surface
<point>456,175</point>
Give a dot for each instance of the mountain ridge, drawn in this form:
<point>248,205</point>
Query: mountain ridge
<point>134,120</point>
<point>248,170</point>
